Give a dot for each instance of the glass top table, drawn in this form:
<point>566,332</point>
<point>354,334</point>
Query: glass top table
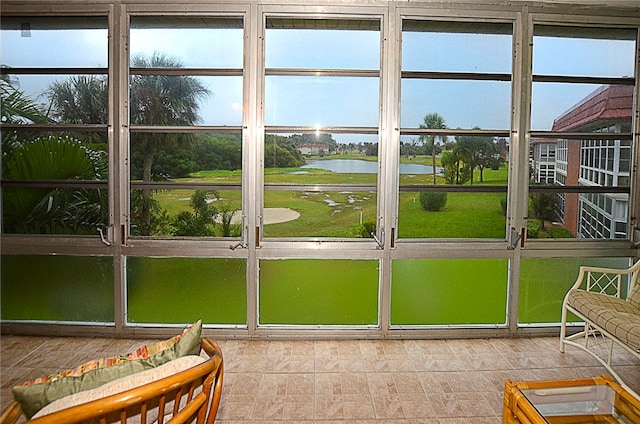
<point>596,400</point>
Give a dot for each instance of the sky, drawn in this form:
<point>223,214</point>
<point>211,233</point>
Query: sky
<point>343,101</point>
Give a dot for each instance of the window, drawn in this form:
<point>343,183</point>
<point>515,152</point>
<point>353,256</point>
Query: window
<point>185,116</point>
<point>54,125</point>
<point>455,117</point>
<point>322,101</point>
<point>589,96</point>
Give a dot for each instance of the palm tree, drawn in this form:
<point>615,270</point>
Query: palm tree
<point>17,108</point>
<point>46,210</point>
<point>163,101</point>
<point>52,210</point>
<point>79,100</point>
<point>433,121</point>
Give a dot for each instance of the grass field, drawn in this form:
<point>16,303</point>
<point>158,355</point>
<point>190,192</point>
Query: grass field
<point>340,213</point>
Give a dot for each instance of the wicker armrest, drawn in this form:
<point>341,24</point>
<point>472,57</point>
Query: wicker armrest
<point>605,280</point>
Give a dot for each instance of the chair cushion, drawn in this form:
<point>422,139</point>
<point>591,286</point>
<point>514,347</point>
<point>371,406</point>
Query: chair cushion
<point>34,395</point>
<point>123,384</point>
<point>634,295</point>
<point>617,316</point>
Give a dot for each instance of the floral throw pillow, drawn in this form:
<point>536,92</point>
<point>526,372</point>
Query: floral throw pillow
<point>36,394</point>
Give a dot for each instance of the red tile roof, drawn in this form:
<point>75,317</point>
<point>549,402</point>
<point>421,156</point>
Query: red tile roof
<point>607,103</point>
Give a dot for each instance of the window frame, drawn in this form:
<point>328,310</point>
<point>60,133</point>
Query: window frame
<point>549,23</point>
<point>104,235</point>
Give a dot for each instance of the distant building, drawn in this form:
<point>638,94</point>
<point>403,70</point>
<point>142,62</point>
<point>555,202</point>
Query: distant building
<point>314,149</point>
<point>592,162</point>
<point>543,160</point>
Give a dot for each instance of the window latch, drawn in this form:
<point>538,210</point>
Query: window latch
<point>242,242</point>
<point>514,239</point>
<point>106,239</point>
<point>378,241</point>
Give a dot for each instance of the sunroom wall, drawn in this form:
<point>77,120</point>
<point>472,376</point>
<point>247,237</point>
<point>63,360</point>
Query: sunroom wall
<point>394,282</point>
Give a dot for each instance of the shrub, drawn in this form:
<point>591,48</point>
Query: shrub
<point>365,229</point>
<point>533,228</point>
<point>433,201</point>
<point>560,232</point>
<point>503,205</point>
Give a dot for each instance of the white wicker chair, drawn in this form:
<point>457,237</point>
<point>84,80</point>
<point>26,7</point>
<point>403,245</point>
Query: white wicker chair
<point>597,299</point>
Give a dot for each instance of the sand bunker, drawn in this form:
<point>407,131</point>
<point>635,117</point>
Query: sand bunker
<point>276,215</point>
<point>272,216</point>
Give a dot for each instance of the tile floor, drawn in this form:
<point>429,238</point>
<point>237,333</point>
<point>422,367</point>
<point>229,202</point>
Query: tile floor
<point>344,381</point>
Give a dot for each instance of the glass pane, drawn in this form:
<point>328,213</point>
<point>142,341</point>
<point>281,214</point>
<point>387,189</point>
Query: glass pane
<point>185,100</point>
<point>324,162</point>
<point>556,106</point>
<point>54,41</point>
<point>77,207</point>
<point>57,288</point>
<point>194,42</point>
<point>322,101</point>
<point>332,292</point>
<point>62,99</point>
<point>440,292</point>
<point>328,48</point>
<point>433,102</point>
<point>428,46</point>
<point>186,159</point>
<point>545,282</point>
<point>472,161</point>
<point>181,290</point>
<point>464,215</point>
<point>315,161</point>
<point>592,52</point>
<point>597,162</point>
<point>464,104</point>
<point>170,212</point>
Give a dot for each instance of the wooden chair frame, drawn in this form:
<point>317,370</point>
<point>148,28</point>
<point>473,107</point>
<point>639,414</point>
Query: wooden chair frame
<point>179,388</point>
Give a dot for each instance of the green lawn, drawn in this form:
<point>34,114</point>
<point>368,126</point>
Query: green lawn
<point>339,213</point>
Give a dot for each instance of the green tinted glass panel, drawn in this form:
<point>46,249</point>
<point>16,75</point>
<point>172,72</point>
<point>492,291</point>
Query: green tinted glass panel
<point>57,288</point>
<point>545,281</point>
<point>448,291</point>
<point>181,290</point>
<point>319,292</point>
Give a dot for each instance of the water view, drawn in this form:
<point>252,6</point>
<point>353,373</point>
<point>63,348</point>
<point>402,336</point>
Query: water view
<point>357,166</point>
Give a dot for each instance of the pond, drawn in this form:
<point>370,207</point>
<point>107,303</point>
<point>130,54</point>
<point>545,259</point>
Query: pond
<point>357,166</point>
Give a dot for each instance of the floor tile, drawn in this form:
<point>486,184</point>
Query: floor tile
<point>344,381</point>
